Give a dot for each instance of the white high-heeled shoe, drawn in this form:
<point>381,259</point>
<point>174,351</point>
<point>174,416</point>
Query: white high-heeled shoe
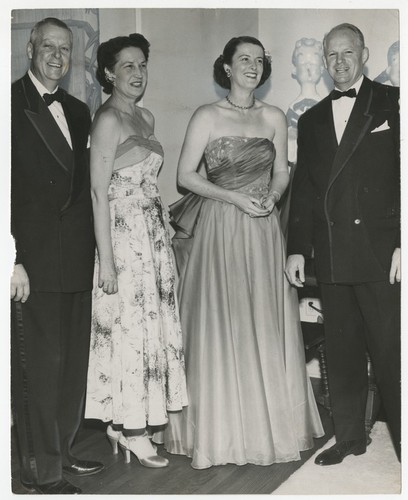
<point>143,449</point>
<point>113,437</point>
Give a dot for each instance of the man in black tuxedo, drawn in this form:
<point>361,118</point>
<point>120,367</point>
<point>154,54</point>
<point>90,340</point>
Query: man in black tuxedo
<point>51,222</point>
<point>345,211</point>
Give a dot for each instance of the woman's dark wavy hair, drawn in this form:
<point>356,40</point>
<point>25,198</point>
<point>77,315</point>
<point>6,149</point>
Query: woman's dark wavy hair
<point>108,52</point>
<point>220,76</point>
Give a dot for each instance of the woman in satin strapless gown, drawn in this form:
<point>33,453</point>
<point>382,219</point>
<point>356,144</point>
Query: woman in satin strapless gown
<point>136,364</point>
<point>250,399</point>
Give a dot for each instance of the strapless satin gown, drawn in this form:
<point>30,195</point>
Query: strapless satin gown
<point>136,363</point>
<point>250,399</point>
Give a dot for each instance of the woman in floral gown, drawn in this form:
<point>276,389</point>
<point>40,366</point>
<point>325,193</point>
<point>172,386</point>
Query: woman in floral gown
<point>136,365</point>
<point>250,399</point>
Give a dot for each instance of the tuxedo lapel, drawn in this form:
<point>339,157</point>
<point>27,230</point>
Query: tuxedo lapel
<point>44,124</point>
<point>325,126</point>
<point>357,126</point>
<point>73,132</point>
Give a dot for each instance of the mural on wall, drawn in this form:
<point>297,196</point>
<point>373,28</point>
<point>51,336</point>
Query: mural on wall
<point>81,79</point>
<point>307,59</point>
<point>391,75</point>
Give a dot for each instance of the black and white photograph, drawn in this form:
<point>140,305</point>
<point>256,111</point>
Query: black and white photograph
<point>202,234</point>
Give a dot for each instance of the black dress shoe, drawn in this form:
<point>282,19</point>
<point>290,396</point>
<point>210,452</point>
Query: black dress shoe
<point>83,468</point>
<point>57,488</point>
<point>337,453</point>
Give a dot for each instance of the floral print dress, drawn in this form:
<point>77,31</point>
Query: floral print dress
<point>136,364</point>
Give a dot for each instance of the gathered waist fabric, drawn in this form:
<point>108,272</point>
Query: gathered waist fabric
<point>137,193</point>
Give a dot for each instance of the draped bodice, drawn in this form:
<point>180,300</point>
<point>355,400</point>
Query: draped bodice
<point>235,163</point>
<point>241,163</point>
<point>137,164</point>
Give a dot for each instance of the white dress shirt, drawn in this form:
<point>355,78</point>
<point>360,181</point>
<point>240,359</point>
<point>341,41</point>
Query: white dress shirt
<point>342,110</point>
<point>55,108</point>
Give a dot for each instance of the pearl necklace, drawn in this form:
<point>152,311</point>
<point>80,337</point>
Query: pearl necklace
<point>240,107</point>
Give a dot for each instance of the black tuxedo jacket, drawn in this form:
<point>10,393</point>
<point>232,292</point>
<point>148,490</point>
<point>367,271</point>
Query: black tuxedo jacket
<point>345,207</point>
<point>51,210</point>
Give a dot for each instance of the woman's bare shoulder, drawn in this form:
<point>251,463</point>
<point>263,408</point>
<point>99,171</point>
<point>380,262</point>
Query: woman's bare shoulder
<point>208,112</point>
<point>106,116</point>
<point>271,110</point>
<point>147,116</point>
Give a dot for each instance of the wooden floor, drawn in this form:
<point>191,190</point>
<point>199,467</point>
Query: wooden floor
<point>178,478</point>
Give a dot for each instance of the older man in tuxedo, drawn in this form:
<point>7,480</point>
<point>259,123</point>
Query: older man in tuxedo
<point>345,212</point>
<point>52,280</point>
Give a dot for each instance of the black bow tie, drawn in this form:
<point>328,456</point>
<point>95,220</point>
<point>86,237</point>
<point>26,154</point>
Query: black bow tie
<point>59,96</point>
<point>336,94</point>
